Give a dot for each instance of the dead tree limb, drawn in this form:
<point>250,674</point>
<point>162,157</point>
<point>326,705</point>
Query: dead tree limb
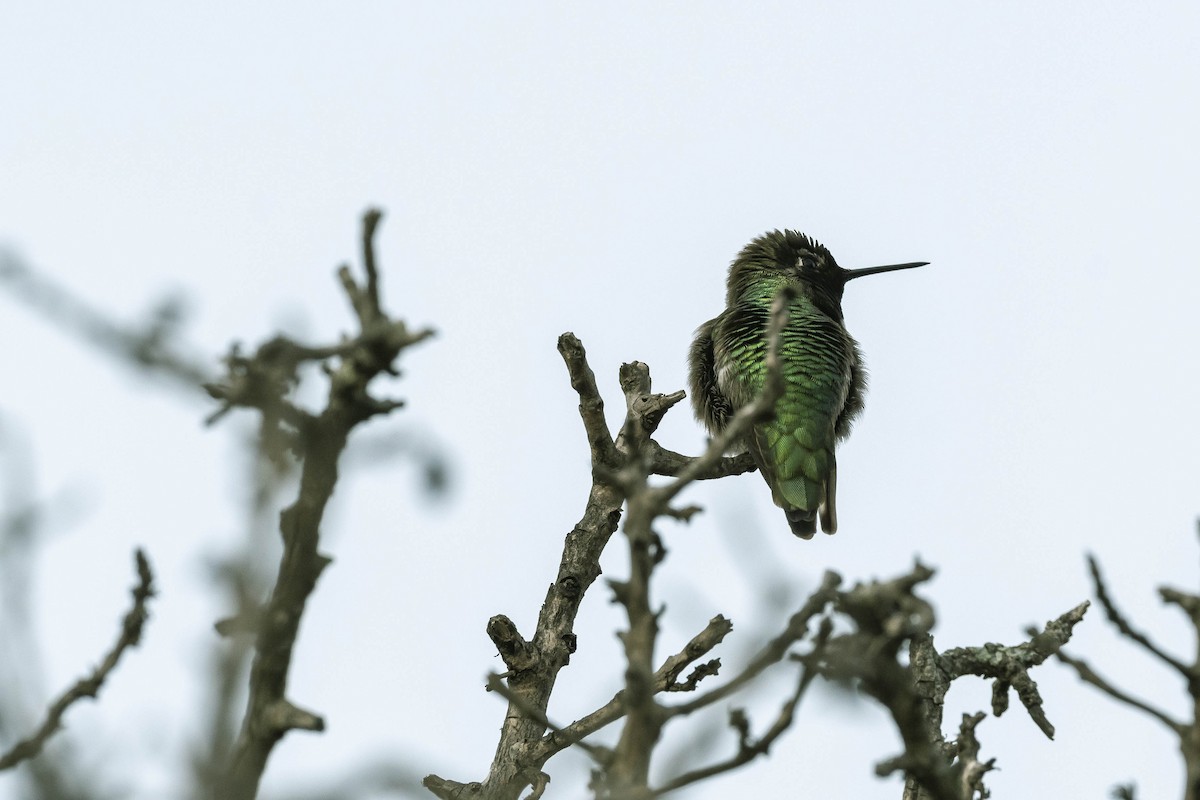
<point>131,635</point>
<point>264,382</point>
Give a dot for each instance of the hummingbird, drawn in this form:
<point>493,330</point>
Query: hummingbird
<point>823,373</point>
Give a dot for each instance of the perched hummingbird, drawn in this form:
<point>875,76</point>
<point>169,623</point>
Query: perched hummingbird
<point>823,372</point>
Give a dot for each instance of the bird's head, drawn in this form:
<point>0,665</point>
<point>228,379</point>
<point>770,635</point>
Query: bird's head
<point>804,262</point>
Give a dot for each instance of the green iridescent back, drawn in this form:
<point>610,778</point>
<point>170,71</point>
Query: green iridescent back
<point>795,452</point>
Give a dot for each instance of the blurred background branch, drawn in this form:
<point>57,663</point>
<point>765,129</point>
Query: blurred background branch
<point>131,635</point>
<point>154,344</point>
<point>1186,729</point>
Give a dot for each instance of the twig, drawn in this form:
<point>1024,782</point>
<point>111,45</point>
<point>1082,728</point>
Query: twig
<point>969,768</point>
<point>520,752</point>
<point>886,615</point>
<point>665,680</point>
<point>1009,666</point>
<point>702,643</point>
<point>1089,675</point>
<point>1123,625</point>
<point>620,468</point>
<point>748,748</point>
<point>671,464</point>
<point>1188,732</point>
<point>131,635</point>
<point>495,683</point>
<point>150,346</point>
<point>644,717</point>
<point>264,383</point>
<point>591,405</point>
<point>771,653</point>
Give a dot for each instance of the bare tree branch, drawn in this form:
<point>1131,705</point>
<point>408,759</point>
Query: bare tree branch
<point>1089,675</point>
<point>773,652</point>
<point>131,635</point>
<point>628,774</point>
<point>518,759</point>
<point>1009,666</point>
<point>1123,625</point>
<point>152,345</point>
<point>620,468</point>
<point>665,680</point>
<point>591,405</point>
<point>242,577</point>
<point>264,382</point>
<point>887,616</point>
<point>748,747</point>
<point>970,769</point>
<point>1188,732</point>
<point>669,463</point>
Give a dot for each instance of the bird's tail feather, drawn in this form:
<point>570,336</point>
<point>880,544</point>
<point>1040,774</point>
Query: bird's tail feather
<point>803,523</point>
<point>829,506</point>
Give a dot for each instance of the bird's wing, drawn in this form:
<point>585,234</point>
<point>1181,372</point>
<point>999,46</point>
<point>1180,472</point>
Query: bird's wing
<point>712,407</point>
<point>856,390</point>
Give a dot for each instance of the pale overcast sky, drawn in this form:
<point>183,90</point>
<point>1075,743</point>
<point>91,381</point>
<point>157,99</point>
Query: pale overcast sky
<point>594,167</point>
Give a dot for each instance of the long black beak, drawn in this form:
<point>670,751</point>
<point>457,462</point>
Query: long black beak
<point>851,274</point>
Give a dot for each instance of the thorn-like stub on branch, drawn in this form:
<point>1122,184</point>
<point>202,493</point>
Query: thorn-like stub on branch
<point>451,790</point>
<point>699,673</point>
<point>1057,631</point>
<point>1000,697</point>
<point>654,547</point>
<point>217,391</point>
<point>142,592</point>
<point>538,781</point>
<point>651,408</point>
<point>969,769</point>
<point>283,716</point>
<point>620,590</point>
<point>892,765</point>
<point>740,722</point>
<point>684,514</point>
<point>1190,603</point>
<point>634,378</point>
<point>830,580</point>
<point>371,219</point>
<point>568,341</point>
<point>1027,693</point>
<point>248,621</point>
<point>591,405</point>
<point>518,654</point>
